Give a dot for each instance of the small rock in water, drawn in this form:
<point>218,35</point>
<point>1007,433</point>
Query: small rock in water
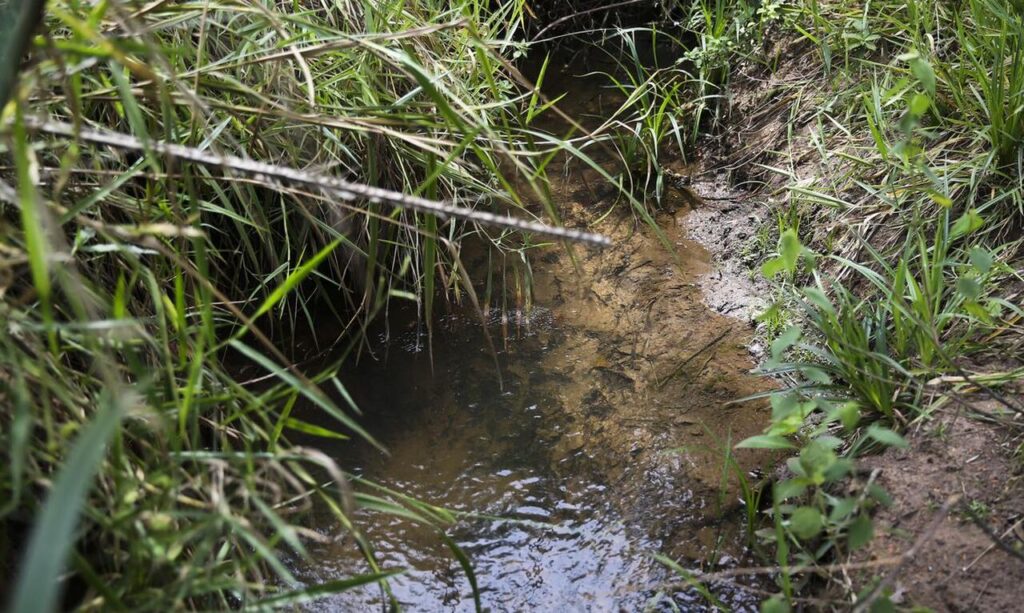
<point>756,349</point>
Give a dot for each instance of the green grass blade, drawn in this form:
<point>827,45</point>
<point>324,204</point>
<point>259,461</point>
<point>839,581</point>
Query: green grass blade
<point>298,597</point>
<point>38,590</point>
<point>296,277</point>
<point>18,20</point>
<point>315,395</point>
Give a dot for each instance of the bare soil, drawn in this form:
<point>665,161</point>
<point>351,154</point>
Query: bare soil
<point>958,567</point>
<point>726,222</point>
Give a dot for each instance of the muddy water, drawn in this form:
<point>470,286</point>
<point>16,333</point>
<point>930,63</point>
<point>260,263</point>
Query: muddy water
<point>602,446</point>
<point>460,442</point>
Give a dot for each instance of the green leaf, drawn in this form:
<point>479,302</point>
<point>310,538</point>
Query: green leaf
<point>775,604</point>
<point>773,267</point>
<point>785,341</point>
<point>886,436</point>
<point>919,104</point>
<point>806,522</point>
<point>765,441</point>
<point>817,456</point>
<point>839,469</point>
<point>772,312</point>
<point>314,394</point>
<point>994,308</point>
<point>940,199</point>
<point>907,123</point>
<point>789,488</point>
<point>816,375</point>
<point>787,426</point>
<point>467,567</point>
<point>301,426</point>
<point>296,277</point>
<point>38,588</point>
<point>832,442</point>
<point>967,223</point>
<point>978,311</point>
<point>793,464</point>
<point>880,495</point>
<point>292,599</point>
<point>969,288</point>
<point>784,405</point>
<point>848,414</point>
<point>815,459</point>
<point>19,437</point>
<point>18,20</point>
<point>133,113</point>
<point>32,215</point>
<point>820,300</point>
<point>883,604</point>
<point>842,509</point>
<point>861,531</point>
<point>922,70</point>
<point>981,259</point>
<point>790,249</point>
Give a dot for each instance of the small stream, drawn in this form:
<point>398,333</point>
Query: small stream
<point>601,446</point>
<point>459,442</point>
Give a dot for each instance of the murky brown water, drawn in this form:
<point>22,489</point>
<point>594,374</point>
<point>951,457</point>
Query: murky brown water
<point>459,442</point>
<point>603,448</point>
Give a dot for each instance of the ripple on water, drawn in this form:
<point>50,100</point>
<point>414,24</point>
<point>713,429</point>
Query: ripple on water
<point>459,443</point>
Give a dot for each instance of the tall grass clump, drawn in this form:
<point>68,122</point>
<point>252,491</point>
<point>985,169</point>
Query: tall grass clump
<point>177,182</point>
<point>673,78</point>
<point>933,192</point>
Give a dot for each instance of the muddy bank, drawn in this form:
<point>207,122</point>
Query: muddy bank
<point>966,450</point>
<point>731,225</point>
<point>957,565</point>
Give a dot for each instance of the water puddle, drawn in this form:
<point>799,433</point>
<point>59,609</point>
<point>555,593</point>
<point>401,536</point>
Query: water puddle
<point>602,448</point>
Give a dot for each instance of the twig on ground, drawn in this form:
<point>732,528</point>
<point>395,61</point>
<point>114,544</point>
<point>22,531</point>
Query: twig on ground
<point>708,345</point>
<point>993,545</point>
<point>998,542</point>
